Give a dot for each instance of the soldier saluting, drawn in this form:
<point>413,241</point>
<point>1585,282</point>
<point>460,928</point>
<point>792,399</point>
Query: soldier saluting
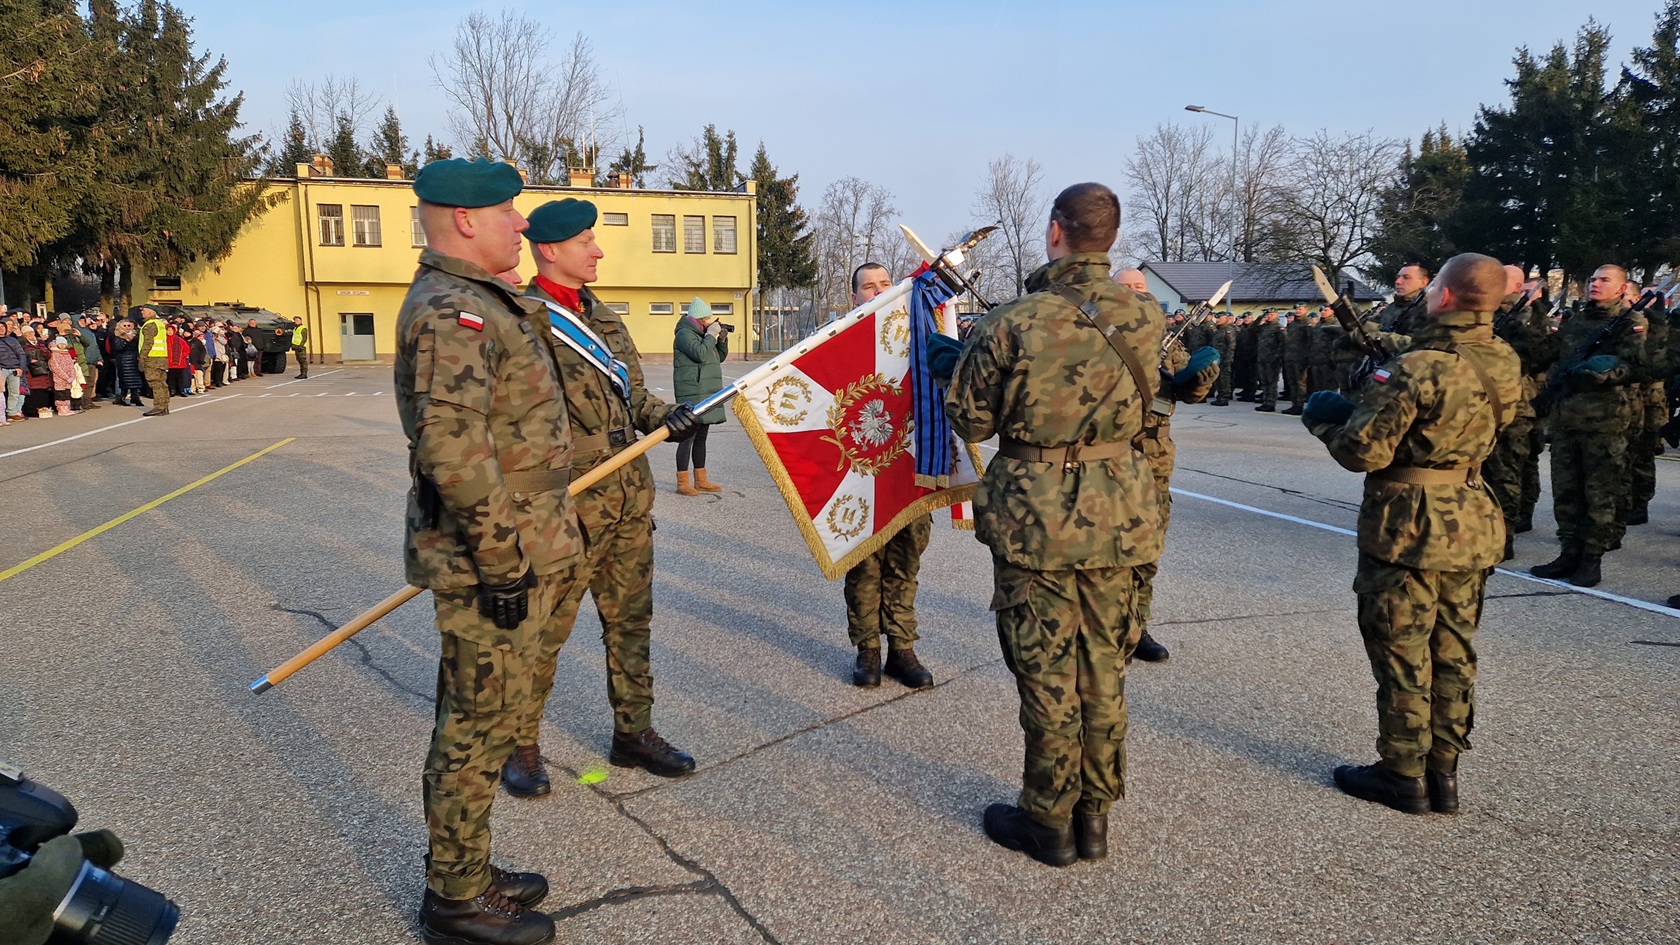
<point>1429,529</point>
<point>491,529</point>
<point>1070,511</point>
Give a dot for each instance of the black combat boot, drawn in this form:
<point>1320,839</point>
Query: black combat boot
<point>903,666</point>
<point>490,919</point>
<point>1526,523</point>
<point>1674,601</point>
<point>526,889</point>
<point>1590,572</point>
<point>1443,791</point>
<point>1009,826</point>
<point>1293,411</point>
<point>1150,650</point>
<point>1090,835</point>
<point>646,750</point>
<point>1565,564</point>
<point>1266,408</point>
<point>1382,786</point>
<point>1222,402</point>
<point>1639,516</point>
<point>866,672</point>
<point>1510,545</point>
<point>523,773</point>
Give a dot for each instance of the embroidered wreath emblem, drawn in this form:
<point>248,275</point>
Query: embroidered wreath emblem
<point>863,427</point>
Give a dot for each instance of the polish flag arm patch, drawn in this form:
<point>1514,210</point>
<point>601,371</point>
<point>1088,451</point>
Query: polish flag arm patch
<point>1381,375</point>
<point>469,320</point>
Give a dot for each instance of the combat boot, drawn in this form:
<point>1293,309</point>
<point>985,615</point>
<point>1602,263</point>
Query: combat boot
<point>1443,791</point>
<point>646,750</point>
<point>903,666</point>
<point>1293,411</point>
<point>1266,408</point>
<point>1090,835</point>
<point>866,672</point>
<point>704,484</point>
<point>1150,650</point>
<point>1010,827</point>
<point>1639,516</point>
<point>1525,524</point>
<point>526,889</point>
<point>154,412</point>
<point>683,488</point>
<point>1510,545</point>
<point>1565,564</point>
<point>491,918</point>
<point>1382,786</point>
<point>1221,402</point>
<point>523,773</point>
<point>1590,572</point>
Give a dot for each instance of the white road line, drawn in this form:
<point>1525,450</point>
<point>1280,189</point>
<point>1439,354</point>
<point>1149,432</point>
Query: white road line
<point>302,379</point>
<point>42,446</point>
<point>1523,575</point>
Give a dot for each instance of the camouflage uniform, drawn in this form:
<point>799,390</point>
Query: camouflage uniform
<point>1269,354</point>
<point>1321,355</point>
<point>1244,364</point>
<point>1425,549</point>
<point>1650,412</point>
<point>881,589</point>
<point>1589,429</point>
<point>616,515</point>
<point>1503,470</point>
<point>1225,342</point>
<point>156,370</point>
<point>1406,315</point>
<point>480,402</point>
<point>1066,537</point>
<point>1158,448</point>
<point>1544,351</point>
<point>1297,343</point>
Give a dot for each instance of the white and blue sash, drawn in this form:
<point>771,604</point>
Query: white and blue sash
<point>568,326</point>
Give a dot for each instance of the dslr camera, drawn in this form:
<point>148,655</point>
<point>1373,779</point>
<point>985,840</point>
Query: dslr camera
<point>100,908</point>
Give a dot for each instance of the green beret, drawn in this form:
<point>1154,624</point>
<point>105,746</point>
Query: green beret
<point>698,309</point>
<point>458,182</point>
<point>559,220</point>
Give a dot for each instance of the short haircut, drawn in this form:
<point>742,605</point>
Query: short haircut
<point>860,270</point>
<point>1476,281</point>
<point>1420,267</point>
<point>1089,214</point>
<point>1618,270</point>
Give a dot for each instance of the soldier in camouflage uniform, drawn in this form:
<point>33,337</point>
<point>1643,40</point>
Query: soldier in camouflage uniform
<point>1321,352</point>
<point>490,529</point>
<point>1589,427</point>
<point>1297,347</point>
<point>881,589</point>
<point>1070,510</point>
<point>1224,340</point>
<point>1649,414</point>
<point>1504,469</point>
<point>1544,353</point>
<point>1245,367</point>
<point>606,409</point>
<point>1269,357</point>
<point>1184,379</point>
<point>1429,529</point>
<point>1407,311</point>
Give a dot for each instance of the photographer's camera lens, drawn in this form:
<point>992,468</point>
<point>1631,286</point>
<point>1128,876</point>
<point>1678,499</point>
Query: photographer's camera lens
<point>105,909</point>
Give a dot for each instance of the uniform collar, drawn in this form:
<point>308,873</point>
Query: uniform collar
<point>1074,269</point>
<point>1455,326</point>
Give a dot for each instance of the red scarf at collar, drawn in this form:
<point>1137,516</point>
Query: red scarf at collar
<point>561,294</point>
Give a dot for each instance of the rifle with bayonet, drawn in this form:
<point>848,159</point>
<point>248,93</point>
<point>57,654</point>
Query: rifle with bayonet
<point>1359,333</point>
<point>1557,381</point>
<point>1522,303</point>
<point>1196,315</point>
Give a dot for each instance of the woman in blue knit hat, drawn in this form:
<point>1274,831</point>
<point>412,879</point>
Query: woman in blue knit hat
<point>697,354</point>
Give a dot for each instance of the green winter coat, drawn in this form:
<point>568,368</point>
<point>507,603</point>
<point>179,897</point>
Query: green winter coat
<point>697,366</point>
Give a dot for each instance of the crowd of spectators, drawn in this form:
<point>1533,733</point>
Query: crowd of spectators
<point>57,365</point>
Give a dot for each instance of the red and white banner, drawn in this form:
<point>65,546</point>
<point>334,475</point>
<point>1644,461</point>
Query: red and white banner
<point>833,425</point>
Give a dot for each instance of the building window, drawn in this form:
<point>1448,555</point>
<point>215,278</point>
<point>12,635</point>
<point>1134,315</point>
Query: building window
<point>661,308</point>
<point>166,283</point>
<point>694,234</point>
<point>723,234</point>
<point>664,233</point>
<point>416,232</point>
<point>332,224</point>
<point>365,221</point>
<point>620,309</point>
<point>723,308</point>
<point>615,219</point>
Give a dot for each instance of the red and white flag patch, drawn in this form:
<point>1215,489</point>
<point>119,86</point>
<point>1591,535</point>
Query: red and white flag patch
<point>469,320</point>
<point>1381,375</point>
<point>1638,329</point>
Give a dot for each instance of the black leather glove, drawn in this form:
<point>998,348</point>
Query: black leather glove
<point>507,605</point>
<point>683,423</point>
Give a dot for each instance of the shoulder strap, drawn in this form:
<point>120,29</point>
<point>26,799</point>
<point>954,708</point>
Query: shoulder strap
<point>1487,383</point>
<point>1111,334</point>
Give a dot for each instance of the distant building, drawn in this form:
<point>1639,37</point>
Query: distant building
<point>341,252</point>
<point>1256,286</point>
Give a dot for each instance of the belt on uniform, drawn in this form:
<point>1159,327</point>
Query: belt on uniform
<point>537,480</point>
<point>1078,453</point>
<point>1419,476</point>
<point>611,439</point>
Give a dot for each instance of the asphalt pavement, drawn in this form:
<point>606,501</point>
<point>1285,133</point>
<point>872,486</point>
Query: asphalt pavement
<point>820,813</point>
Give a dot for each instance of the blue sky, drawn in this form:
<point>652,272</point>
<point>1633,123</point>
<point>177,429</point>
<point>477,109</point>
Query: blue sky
<point>918,97</point>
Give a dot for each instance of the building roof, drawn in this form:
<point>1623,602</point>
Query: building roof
<point>1254,282</point>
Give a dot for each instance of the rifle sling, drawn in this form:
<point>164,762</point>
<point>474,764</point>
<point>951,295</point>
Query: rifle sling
<point>1111,334</point>
<point>1487,384</point>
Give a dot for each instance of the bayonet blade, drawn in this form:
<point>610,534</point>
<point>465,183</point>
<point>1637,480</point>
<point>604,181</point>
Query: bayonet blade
<point>1219,296</point>
<point>1324,287</point>
<point>916,244</point>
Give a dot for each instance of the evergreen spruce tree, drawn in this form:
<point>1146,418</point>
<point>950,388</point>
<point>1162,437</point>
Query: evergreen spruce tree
<point>294,149</point>
<point>785,257</point>
<point>434,151</point>
<point>1415,212</point>
<point>390,146</point>
<point>632,162</point>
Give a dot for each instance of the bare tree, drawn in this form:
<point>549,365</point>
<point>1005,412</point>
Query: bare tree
<point>513,102</point>
<point>1335,188</point>
<point>1263,196</point>
<point>854,224</point>
<point>322,105</point>
<point>1174,189</point>
<point>1012,196</point>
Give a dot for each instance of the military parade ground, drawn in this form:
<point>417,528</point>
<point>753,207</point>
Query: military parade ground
<point>820,812</point>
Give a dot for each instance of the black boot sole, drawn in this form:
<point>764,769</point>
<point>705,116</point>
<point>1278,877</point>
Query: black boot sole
<point>1405,805</point>
<point>1058,857</point>
<point>626,761</point>
<point>438,938</point>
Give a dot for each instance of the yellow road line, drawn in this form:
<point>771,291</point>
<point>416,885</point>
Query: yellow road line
<point>113,523</point>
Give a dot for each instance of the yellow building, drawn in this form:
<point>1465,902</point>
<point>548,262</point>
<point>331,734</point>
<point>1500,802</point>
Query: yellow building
<point>341,252</point>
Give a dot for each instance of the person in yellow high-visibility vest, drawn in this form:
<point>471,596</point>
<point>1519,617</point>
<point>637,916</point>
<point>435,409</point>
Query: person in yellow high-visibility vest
<point>154,360</point>
<point>300,346</point>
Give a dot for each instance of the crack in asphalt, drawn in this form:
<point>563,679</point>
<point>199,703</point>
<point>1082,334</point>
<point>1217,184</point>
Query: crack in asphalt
<point>1530,594</point>
<point>1654,643</point>
<point>69,462</point>
<point>1296,493</point>
<point>365,657</point>
<point>1287,613</point>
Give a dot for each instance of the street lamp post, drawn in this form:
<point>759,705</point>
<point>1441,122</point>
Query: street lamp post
<point>1231,271</point>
